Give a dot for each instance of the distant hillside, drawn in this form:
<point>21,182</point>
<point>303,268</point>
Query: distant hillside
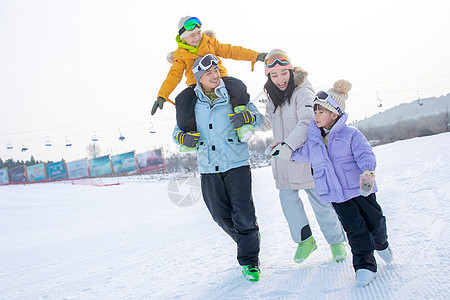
<point>406,111</point>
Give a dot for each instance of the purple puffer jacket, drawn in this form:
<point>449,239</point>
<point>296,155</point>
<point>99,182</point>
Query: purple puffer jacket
<point>337,170</point>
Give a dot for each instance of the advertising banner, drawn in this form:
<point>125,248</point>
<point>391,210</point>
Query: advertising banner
<point>150,160</point>
<point>56,170</point>
<point>77,169</point>
<point>125,162</point>
<point>4,176</point>
<point>36,173</point>
<point>18,175</point>
<point>100,166</point>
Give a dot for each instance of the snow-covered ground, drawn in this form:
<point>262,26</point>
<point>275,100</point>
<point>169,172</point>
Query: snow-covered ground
<point>142,240</point>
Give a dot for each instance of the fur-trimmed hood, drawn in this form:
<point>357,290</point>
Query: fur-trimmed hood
<point>299,76</point>
<point>301,79</point>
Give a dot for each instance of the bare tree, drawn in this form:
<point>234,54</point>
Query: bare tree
<point>173,162</point>
<point>93,150</point>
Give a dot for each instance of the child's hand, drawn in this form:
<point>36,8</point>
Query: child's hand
<point>158,103</point>
<point>282,151</point>
<point>270,147</point>
<point>366,180</point>
<point>261,56</point>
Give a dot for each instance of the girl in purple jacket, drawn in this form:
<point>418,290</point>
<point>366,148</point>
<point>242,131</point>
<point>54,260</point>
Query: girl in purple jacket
<point>343,166</point>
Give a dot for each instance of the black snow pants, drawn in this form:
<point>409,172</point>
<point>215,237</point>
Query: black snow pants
<point>186,100</point>
<point>365,225</point>
<point>229,199</point>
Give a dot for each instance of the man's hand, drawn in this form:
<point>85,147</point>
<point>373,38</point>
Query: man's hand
<point>241,118</point>
<point>189,139</point>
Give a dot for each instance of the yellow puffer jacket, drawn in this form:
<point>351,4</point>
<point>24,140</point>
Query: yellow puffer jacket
<point>184,60</point>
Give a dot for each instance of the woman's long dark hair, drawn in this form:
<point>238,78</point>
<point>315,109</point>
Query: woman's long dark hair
<point>277,96</point>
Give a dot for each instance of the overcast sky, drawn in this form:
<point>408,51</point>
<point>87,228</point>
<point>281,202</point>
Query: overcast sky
<point>71,68</point>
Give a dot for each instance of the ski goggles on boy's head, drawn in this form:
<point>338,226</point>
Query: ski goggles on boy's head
<point>277,57</point>
<point>190,24</point>
<point>326,98</point>
<point>205,63</point>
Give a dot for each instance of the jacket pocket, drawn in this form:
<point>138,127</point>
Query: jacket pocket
<point>351,175</point>
<point>321,182</point>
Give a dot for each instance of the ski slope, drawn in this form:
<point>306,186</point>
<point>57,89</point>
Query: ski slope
<point>131,241</point>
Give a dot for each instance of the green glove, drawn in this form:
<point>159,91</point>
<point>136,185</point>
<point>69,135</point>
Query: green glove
<point>159,102</point>
<point>189,139</point>
<point>261,56</point>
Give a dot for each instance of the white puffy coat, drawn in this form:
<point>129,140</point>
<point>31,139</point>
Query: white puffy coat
<point>289,123</point>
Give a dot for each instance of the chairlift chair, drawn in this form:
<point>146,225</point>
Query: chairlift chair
<point>94,137</point>
<point>121,137</point>
<point>418,99</point>
<point>48,143</point>
<point>381,104</point>
<point>152,128</point>
<point>68,143</point>
<point>9,146</point>
<point>24,148</point>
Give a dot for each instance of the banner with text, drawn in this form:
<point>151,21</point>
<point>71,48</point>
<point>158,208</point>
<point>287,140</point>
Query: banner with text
<point>150,160</point>
<point>17,175</point>
<point>56,171</point>
<point>100,166</point>
<point>77,169</point>
<point>125,162</point>
<point>4,176</point>
<point>36,173</point>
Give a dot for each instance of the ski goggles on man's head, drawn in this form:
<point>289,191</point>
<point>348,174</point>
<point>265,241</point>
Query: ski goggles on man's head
<point>205,63</point>
<point>190,24</point>
<point>277,57</point>
<point>325,97</point>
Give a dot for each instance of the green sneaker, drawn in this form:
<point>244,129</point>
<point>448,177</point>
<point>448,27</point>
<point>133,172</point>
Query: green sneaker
<point>304,249</point>
<point>246,132</point>
<point>338,251</point>
<point>251,272</point>
<point>184,148</point>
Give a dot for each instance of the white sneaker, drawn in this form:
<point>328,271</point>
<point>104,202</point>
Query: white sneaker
<point>386,255</point>
<point>364,277</point>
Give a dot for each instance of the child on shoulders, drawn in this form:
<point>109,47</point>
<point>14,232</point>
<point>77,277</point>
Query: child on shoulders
<point>192,44</point>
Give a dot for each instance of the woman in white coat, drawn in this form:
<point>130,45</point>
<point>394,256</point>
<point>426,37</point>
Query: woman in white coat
<point>288,113</point>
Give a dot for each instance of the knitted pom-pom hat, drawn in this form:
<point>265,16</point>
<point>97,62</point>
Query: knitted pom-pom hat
<point>339,93</point>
